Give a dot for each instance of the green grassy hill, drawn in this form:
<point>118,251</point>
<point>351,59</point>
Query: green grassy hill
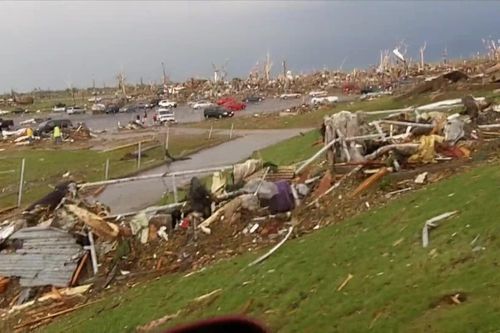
<point>397,285</point>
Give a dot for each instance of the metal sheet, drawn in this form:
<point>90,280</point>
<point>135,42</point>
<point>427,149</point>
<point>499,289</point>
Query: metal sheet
<point>49,257</point>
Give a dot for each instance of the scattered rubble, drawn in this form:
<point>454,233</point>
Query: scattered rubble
<point>67,241</point>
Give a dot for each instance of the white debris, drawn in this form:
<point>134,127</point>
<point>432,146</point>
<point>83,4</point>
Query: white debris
<point>421,178</point>
<point>432,223</point>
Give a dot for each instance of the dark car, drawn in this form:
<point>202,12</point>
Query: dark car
<point>367,90</point>
<point>253,99</point>
<point>18,110</point>
<point>217,112</point>
<point>5,124</point>
<point>134,107</point>
<point>112,109</point>
<point>48,125</point>
<point>143,105</point>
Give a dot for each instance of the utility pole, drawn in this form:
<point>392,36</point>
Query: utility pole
<point>165,80</point>
<point>445,56</point>
<point>422,50</point>
<point>121,83</point>
<point>267,67</point>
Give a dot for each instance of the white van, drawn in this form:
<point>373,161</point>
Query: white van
<point>324,100</point>
<point>165,115</point>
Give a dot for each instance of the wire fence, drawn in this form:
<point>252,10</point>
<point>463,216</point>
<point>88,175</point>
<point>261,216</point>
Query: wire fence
<point>25,179</point>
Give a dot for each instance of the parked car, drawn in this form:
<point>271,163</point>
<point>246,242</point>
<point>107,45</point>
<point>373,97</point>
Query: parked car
<point>224,100</point>
<point>5,124</point>
<point>98,107</point>
<point>234,106</point>
<point>366,90</point>
<point>59,107</point>
<point>253,99</point>
<point>19,110</point>
<point>231,104</point>
<point>291,95</point>
<point>112,108</point>
<point>48,125</point>
<point>317,93</point>
<point>324,100</point>
<point>75,110</point>
<point>144,105</point>
<point>217,112</point>
<point>167,104</point>
<point>165,115</point>
<point>128,108</point>
<point>201,105</point>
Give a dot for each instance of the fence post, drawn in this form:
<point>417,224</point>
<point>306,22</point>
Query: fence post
<point>210,133</point>
<point>167,138</point>
<point>174,186</point>
<point>106,170</point>
<point>139,153</point>
<point>231,131</point>
<point>21,181</point>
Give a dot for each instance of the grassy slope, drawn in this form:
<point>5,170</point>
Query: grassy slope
<point>292,150</point>
<point>295,289</point>
<point>46,167</point>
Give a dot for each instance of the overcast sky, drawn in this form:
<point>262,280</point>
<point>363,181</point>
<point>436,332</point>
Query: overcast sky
<point>54,44</point>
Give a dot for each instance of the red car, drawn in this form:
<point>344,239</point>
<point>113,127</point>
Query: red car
<point>224,100</point>
<point>235,106</point>
<point>231,104</point>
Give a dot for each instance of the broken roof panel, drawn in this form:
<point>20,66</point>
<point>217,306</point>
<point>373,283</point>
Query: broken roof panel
<point>49,256</point>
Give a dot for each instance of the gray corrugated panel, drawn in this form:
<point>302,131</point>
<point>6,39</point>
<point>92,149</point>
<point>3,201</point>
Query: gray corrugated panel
<point>49,257</point>
<point>37,232</point>
<point>49,242</point>
<point>59,279</point>
<point>61,251</point>
<point>40,282</point>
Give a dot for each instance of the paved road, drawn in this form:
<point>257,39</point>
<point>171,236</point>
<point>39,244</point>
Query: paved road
<point>132,196</point>
<point>183,114</point>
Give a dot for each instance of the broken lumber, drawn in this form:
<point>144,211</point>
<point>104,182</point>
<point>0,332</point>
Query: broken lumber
<point>331,143</point>
<point>276,247</point>
<point>207,296</point>
<point>405,123</point>
<point>346,281</point>
<point>4,283</point>
<point>105,230</point>
<point>368,182</point>
<point>157,322</point>
<point>78,270</point>
<point>57,314</point>
<point>410,148</point>
<point>227,211</point>
<point>337,184</point>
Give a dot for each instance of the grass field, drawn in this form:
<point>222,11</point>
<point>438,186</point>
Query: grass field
<point>44,168</point>
<point>292,150</point>
<point>397,285</point>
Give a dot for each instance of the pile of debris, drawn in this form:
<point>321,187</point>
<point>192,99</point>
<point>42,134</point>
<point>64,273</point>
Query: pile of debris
<point>67,244</point>
<point>66,241</point>
<point>25,135</point>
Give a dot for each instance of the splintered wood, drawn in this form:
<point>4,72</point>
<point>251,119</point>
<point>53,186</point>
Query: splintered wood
<point>346,281</point>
